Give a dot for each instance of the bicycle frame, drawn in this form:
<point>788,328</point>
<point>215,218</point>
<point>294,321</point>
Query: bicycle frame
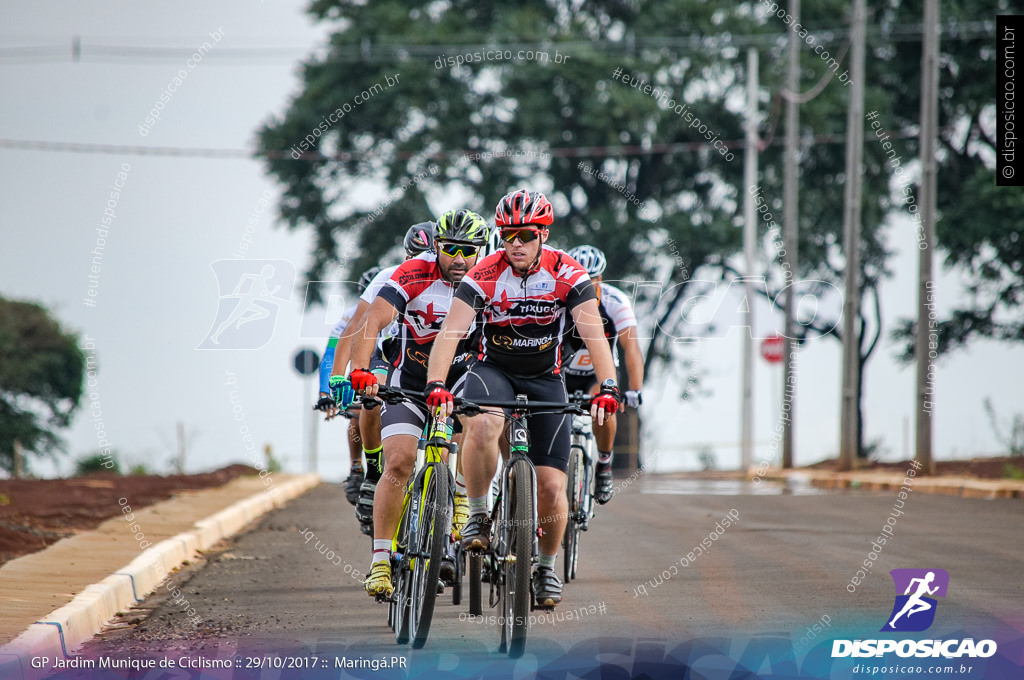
<point>407,602</point>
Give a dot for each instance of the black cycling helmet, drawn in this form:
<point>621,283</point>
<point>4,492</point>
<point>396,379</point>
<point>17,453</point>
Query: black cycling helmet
<point>464,226</point>
<point>365,279</point>
<point>420,238</point>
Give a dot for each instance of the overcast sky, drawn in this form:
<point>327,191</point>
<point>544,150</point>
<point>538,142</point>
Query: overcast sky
<point>157,295</point>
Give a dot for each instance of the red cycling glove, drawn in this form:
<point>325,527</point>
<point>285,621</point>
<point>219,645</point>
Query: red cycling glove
<point>608,398</point>
<point>361,379</point>
<point>437,394</point>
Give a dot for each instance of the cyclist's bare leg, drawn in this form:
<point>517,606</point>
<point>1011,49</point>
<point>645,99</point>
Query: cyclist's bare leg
<point>604,435</point>
<point>355,449</point>
<point>552,508</point>
<point>480,438</point>
<point>369,427</point>
<point>399,459</point>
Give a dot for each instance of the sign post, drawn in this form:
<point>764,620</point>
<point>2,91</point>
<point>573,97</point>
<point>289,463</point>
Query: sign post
<point>307,364</point>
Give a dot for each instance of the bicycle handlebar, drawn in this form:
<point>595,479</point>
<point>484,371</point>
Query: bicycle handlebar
<point>576,404</point>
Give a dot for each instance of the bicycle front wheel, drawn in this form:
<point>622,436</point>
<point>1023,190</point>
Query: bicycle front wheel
<point>398,608</point>
<point>575,491</point>
<point>430,537</point>
<point>519,531</point>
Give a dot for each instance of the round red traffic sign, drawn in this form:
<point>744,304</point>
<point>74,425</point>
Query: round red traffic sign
<point>771,349</point>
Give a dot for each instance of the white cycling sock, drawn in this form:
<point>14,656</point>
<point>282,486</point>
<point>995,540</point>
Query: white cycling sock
<point>460,484</point>
<point>546,560</point>
<point>478,505</point>
<point>381,550</point>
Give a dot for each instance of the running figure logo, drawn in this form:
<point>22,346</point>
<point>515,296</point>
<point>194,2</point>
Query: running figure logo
<point>914,610</point>
<point>250,293</point>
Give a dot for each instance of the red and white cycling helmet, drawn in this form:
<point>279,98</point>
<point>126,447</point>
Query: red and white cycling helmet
<point>523,207</point>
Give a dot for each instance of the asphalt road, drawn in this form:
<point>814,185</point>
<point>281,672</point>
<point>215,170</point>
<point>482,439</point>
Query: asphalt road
<point>783,567</point>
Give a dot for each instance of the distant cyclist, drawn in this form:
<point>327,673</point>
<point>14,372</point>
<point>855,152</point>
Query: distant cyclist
<point>418,239</point>
<point>524,296</point>
<point>419,294</point>
<point>619,326</point>
<point>329,405</point>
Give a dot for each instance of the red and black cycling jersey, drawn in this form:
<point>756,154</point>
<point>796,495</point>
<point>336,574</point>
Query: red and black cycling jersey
<point>422,297</point>
<point>524,318</point>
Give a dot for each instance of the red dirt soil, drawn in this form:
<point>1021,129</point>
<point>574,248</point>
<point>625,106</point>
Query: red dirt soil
<point>981,468</point>
<point>37,512</point>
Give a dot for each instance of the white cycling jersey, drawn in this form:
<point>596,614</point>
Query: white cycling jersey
<point>617,315</point>
<point>370,294</point>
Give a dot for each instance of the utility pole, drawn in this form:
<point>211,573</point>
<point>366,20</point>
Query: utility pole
<point>850,417</point>
<point>790,215</point>
<point>749,248</point>
<point>180,458</point>
<point>925,283</point>
<point>19,460</point>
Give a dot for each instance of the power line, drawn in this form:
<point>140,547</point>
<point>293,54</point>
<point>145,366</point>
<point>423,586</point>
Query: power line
<point>77,50</point>
<point>556,152</point>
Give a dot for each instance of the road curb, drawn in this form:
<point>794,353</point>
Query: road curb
<point>63,630</point>
<point>963,487</point>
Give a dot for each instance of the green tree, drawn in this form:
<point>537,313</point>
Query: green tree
<point>978,229</point>
<point>41,371</point>
<point>585,111</point>
<point>491,125</point>
<point>98,462</point>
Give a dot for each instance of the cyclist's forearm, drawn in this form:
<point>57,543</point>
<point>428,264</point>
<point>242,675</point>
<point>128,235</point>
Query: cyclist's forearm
<point>326,366</point>
<point>591,329</point>
<point>634,358</point>
<point>343,349</point>
<point>454,328</point>
<point>380,314</point>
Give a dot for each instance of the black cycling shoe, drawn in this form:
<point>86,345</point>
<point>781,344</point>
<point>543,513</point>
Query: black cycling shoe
<point>352,484</point>
<point>605,485</point>
<point>476,535</point>
<point>447,573</point>
<point>546,586</point>
<point>364,506</point>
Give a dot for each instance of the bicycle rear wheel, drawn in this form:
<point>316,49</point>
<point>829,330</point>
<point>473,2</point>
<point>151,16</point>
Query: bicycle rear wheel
<point>519,530</point>
<point>429,537</point>
<point>460,568</point>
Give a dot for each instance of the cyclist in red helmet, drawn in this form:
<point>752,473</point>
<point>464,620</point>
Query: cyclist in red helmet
<point>526,298</point>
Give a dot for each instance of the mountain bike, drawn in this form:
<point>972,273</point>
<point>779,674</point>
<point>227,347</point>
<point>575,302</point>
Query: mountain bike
<point>510,558</point>
<point>579,488</point>
<point>423,535</point>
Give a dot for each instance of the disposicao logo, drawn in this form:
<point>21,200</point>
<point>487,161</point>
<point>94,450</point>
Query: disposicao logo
<point>914,611</point>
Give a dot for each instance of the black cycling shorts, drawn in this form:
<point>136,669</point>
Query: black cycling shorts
<point>549,432</point>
